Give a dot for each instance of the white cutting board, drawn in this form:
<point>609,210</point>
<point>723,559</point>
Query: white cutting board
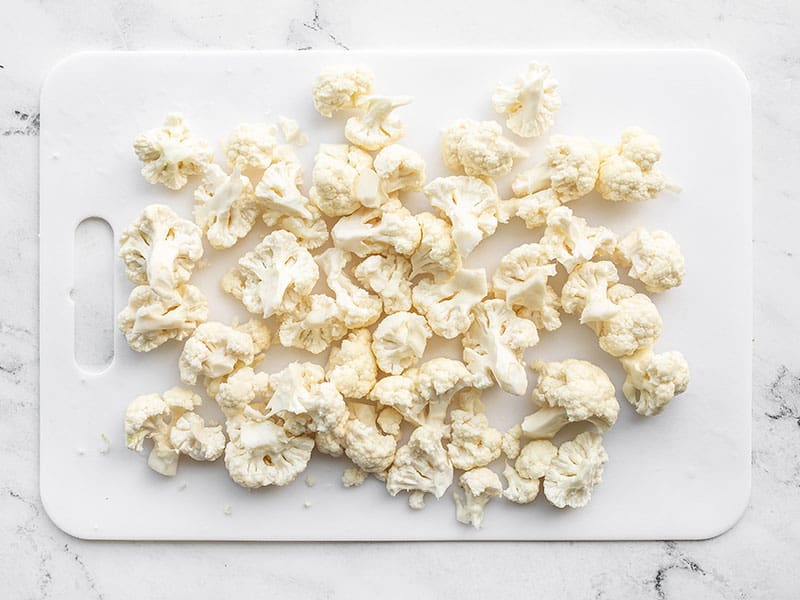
<point>684,474</point>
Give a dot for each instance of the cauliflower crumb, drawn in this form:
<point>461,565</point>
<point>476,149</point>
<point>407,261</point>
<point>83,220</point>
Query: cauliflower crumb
<point>353,477</point>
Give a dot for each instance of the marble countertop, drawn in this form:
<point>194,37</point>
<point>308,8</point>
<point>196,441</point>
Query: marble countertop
<point>758,558</point>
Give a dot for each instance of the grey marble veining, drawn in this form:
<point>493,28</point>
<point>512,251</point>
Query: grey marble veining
<point>758,558</point>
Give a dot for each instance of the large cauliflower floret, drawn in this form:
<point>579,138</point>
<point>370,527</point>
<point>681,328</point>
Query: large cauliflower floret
<point>530,103</point>
<point>448,304</point>
<point>171,154</point>
<point>480,486</point>
<point>351,367</point>
<point>377,126</point>
<point>478,148</point>
<point>169,421</point>
<point>214,350</point>
<point>399,341</point>
<point>628,172</point>
<point>570,391</point>
<point>575,471</point>
<point>421,466</point>
<point>637,324</point>
<point>521,280</point>
<point>388,228</point>
<point>531,465</point>
<point>569,169</point>
<point>343,180</point>
<point>315,323</point>
<point>586,292</point>
<point>494,344</point>
<point>250,145</point>
<point>653,380</point>
<point>161,250</point>
<point>280,195</point>
<point>341,87</point>
<point>654,258</point>
<point>571,241</point>
<point>225,207</point>
<point>437,253</point>
<point>359,308</point>
<point>399,169</point>
<point>274,277</point>
<point>148,321</point>
<point>473,443</point>
<point>388,276</point>
<point>366,444</point>
<point>470,204</point>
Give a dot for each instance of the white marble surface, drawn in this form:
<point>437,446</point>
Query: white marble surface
<point>758,558</point>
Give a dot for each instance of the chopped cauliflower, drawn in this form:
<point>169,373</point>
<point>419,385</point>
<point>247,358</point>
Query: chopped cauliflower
<point>478,148</point>
<point>279,193</point>
<point>571,241</point>
<point>636,325</point>
<point>214,350</point>
<point>358,307</point>
<point>354,477</point>
<point>511,442</point>
<point>575,470</point>
<point>628,172</point>
<point>421,466</point>
<point>448,304</point>
<point>654,258</point>
<point>314,324</point>
<point>473,443</point>
<point>341,87</point>
<point>530,103</point>
<point>377,126</point>
<point>532,209</point>
<point>388,276</point>
<point>399,341</point>
<point>291,131</point>
<point>343,180</point>
<point>399,169</point>
<point>365,444</point>
<point>171,154</point>
<point>244,388</point>
<point>225,208</point>
<point>351,367</point>
<point>653,380</point>
<point>531,465</point>
<point>480,486</point>
<point>388,228</point>
<point>519,489</point>
<point>437,253</point>
<point>586,292</point>
<point>250,145</point>
<point>311,233</point>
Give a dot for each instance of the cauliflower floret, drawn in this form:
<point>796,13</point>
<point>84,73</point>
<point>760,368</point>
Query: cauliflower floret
<point>368,448</point>
<point>530,103</point>
<point>480,486</point>
<point>437,253</point>
<point>377,126</point>
<point>168,419</point>
<point>389,228</point>
<point>532,209</point>
<point>148,321</point>
<point>470,204</point>
<point>291,131</point>
<point>160,250</point>
<point>343,180</point>
<point>628,172</point>
<point>359,308</point>
<point>448,304</point>
<point>279,192</point>
<point>421,466</point>
<point>571,241</point>
<point>341,87</point>
<point>389,421</point>
<point>316,322</point>
<point>494,344</point>
<point>654,258</point>
<point>636,325</point>
<point>354,477</point>
<point>511,442</point>
<point>653,380</point>
<point>532,464</point>
<point>351,367</point>
<point>274,277</point>
<point>244,388</point>
<point>399,169</point>
<point>472,442</point>
<point>399,341</point>
<point>171,155</point>
<point>388,276</point>
<point>479,148</point>
<point>250,145</point>
<point>311,233</point>
<point>586,291</point>
<point>519,490</point>
<point>225,208</point>
<point>576,469</point>
<point>214,350</point>
<point>570,391</point>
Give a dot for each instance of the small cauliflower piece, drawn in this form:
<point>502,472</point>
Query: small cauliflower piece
<point>628,172</point>
<point>494,344</point>
<point>341,87</point>
<point>575,471</point>
<point>478,148</point>
<point>421,466</point>
<point>388,228</point>
<point>279,192</point>
<point>314,324</point>
<point>365,444</point>
<point>480,486</point>
<point>214,350</point>
<point>473,443</point>
<point>399,341</point>
<point>511,442</point>
<point>243,389</point>
<point>570,391</point>
<point>653,257</point>
<point>354,477</point>
<point>224,206</point>
<point>653,380</point>
<point>437,253</point>
<point>447,305</point>
<point>519,490</point>
<point>148,321</point>
<point>291,131</point>
<point>161,250</point>
<point>532,209</point>
<point>343,180</point>
<point>388,276</point>
<point>586,292</point>
<point>171,154</point>
<point>636,325</point>
<point>377,126</point>
<point>530,103</point>
<point>250,145</point>
<point>571,241</point>
<point>311,233</point>
<point>169,421</point>
<point>399,169</point>
<point>523,478</point>
<point>351,367</point>
<point>358,307</point>
<point>389,422</point>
